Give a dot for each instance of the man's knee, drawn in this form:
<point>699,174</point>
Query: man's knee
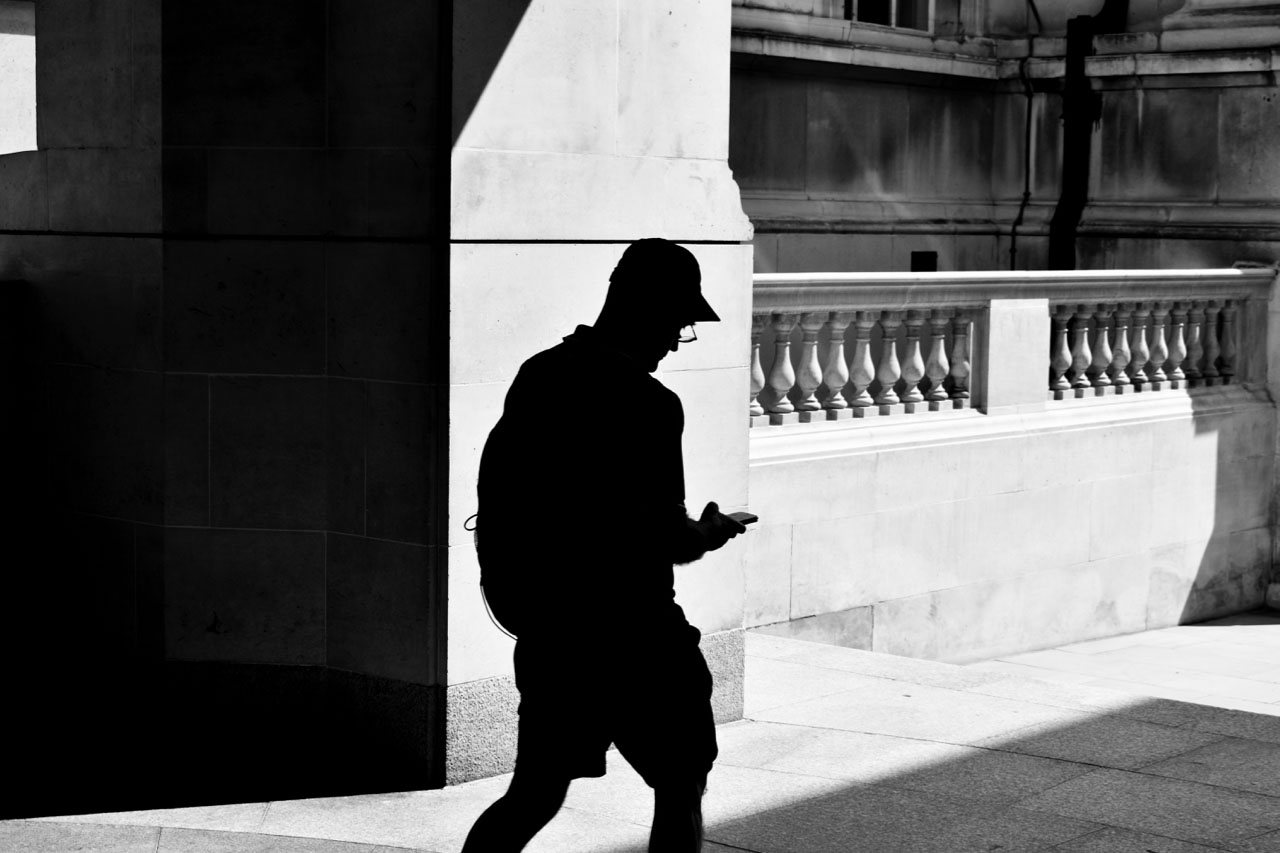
<point>538,793</point>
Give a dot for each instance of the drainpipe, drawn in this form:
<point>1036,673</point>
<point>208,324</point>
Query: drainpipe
<point>1081,109</point>
<point>1026,138</point>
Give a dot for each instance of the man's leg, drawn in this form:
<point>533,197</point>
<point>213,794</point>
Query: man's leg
<point>677,818</point>
<point>508,825</point>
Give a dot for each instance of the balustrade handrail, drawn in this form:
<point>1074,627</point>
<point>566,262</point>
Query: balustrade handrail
<point>896,291</point>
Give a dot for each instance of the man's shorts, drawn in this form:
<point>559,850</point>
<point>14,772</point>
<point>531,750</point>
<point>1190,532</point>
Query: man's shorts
<point>654,704</point>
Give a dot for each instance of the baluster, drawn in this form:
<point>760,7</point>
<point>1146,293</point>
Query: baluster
<point>863,369</point>
<point>1060,360</point>
<point>1101,350</point>
<point>913,364</point>
<point>1159,348</point>
<point>1141,352</point>
<point>1195,344</point>
<point>1227,361</point>
<point>938,367</point>
<point>889,370</point>
<point>1081,355</point>
<point>754,409</point>
<point>1212,311</point>
<point>782,375</point>
<point>810,376</point>
<point>836,376</point>
<point>1121,355</point>
<point>960,360</point>
<point>1177,346</point>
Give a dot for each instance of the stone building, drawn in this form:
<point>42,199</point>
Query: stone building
<point>269,267</point>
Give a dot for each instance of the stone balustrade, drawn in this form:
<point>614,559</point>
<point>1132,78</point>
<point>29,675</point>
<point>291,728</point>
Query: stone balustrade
<point>836,346</point>
<point>1101,348</point>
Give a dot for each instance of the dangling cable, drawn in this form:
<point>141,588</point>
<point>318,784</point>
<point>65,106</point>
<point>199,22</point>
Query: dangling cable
<point>474,530</point>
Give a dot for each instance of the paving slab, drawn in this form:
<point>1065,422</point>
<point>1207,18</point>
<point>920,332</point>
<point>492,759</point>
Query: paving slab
<point>1245,765</point>
<point>919,765</point>
<point>1187,811</point>
<point>40,837</point>
<point>1104,741</point>
<point>1113,840</point>
<point>212,841</point>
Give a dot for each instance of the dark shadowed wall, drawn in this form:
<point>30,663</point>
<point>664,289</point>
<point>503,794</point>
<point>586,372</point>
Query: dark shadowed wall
<point>230,378</point>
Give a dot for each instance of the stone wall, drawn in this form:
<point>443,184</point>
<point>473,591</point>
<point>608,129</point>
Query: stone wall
<point>225,256</point>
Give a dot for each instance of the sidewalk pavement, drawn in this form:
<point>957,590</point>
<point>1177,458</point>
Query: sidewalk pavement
<point>844,750</point>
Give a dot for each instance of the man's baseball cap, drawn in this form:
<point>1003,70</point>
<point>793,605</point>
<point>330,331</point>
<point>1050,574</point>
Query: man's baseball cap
<point>664,276</point>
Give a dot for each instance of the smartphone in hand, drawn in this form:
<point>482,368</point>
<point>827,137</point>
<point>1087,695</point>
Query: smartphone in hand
<point>743,517</point>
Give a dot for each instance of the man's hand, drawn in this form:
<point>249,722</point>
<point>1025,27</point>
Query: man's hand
<point>717,528</point>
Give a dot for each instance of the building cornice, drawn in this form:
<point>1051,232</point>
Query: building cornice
<point>1214,51</point>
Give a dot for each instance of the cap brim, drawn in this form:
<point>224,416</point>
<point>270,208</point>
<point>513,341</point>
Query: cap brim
<point>700,311</point>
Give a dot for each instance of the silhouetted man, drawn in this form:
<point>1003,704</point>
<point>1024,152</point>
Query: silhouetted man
<point>581,520</point>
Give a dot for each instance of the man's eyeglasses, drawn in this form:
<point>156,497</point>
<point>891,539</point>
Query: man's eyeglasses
<point>687,335</point>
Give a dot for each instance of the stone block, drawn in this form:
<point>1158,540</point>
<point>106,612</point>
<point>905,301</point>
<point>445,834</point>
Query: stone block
<point>382,75</point>
<point>106,454</point>
<point>1114,529</point>
<point>920,475</point>
<point>244,307</point>
<point>711,591</point>
<point>554,87</point>
<point>1247,166</point>
<point>985,548</point>
<point>951,150</point>
<point>552,288</point>
<point>725,655</point>
<point>921,545</point>
<point>382,192</point>
<point>266,191</point>
<point>104,189</point>
<point>834,252</point>
<point>91,72</point>
<point>766,567</point>
<point>185,174</point>
<point>1243,494</point>
<point>815,489</point>
<point>96,300</point>
<point>477,648</point>
<point>249,596</point>
<point>480,726</point>
<point>672,81</point>
<point>849,149</point>
<point>548,195</point>
<point>247,74</point>
<point>829,561</point>
<point>382,609</point>
<point>345,409</point>
<point>715,446</point>
<point>186,450</point>
<point>473,412</point>
<point>24,199</point>
<point>848,628</point>
<point>378,321</point>
<point>1159,146</point>
<point>268,452</point>
<point>149,591</point>
<point>766,127</point>
<point>403,429</point>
